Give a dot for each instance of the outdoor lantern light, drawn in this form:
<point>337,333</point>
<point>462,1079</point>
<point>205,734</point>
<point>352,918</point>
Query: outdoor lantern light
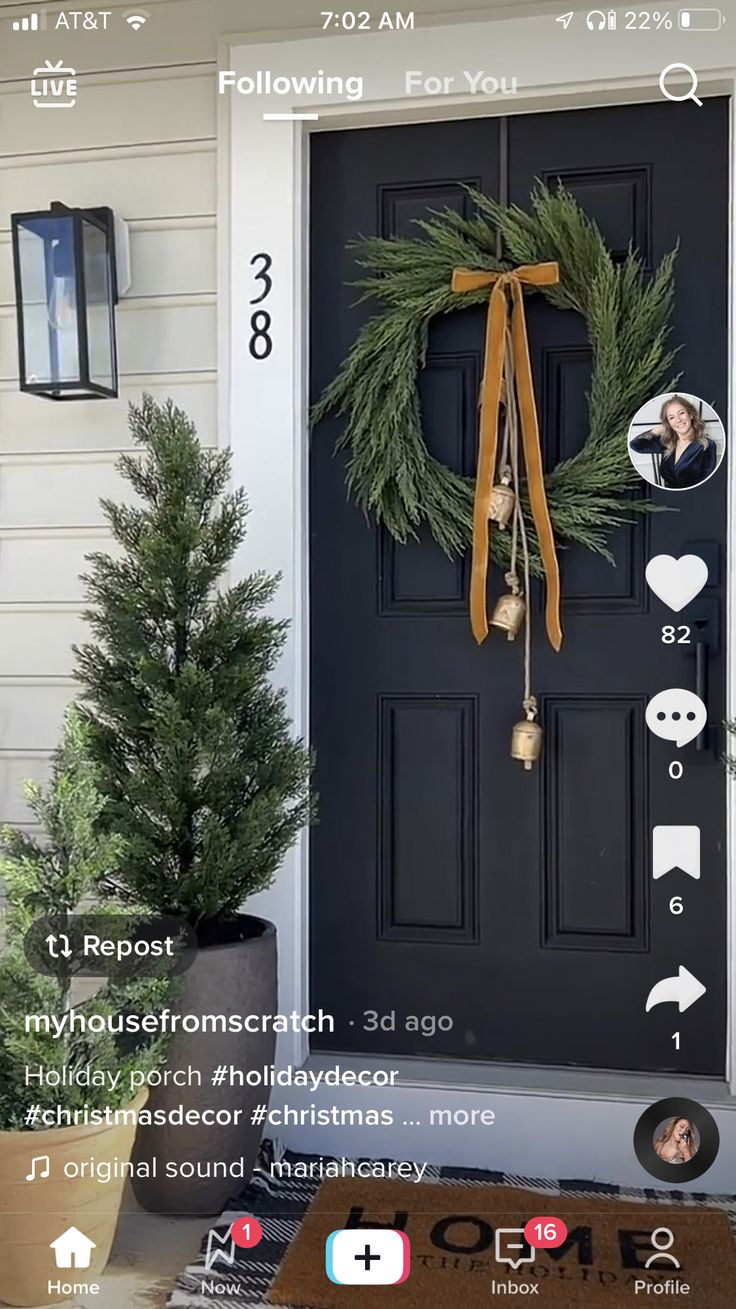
<point>67,285</point>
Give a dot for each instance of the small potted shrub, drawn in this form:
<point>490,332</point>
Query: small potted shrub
<point>200,772</point>
<point>51,876</point>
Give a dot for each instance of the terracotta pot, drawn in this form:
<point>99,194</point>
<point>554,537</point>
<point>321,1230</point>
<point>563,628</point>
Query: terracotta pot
<point>234,972</point>
<point>33,1214</point>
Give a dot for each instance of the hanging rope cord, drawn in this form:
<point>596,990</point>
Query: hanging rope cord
<point>505,302</point>
<point>510,460</point>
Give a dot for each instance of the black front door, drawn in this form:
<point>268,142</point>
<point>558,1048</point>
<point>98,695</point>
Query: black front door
<point>446,880</point>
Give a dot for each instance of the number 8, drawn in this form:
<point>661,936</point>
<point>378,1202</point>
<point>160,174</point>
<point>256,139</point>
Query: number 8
<point>260,323</point>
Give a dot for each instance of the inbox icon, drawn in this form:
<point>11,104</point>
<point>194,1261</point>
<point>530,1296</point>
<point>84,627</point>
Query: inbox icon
<point>367,1257</point>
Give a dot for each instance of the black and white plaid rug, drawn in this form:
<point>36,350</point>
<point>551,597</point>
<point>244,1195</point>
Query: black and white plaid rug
<point>281,1203</point>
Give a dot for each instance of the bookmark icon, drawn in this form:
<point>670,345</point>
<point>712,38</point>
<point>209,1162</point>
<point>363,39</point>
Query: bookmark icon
<point>676,847</point>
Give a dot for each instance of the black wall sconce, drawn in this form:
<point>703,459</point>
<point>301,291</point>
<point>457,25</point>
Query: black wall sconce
<point>71,266</point>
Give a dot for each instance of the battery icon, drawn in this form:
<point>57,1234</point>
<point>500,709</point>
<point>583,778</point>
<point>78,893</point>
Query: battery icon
<point>700,20</point>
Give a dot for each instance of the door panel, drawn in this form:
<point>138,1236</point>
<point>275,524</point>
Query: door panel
<point>444,878</point>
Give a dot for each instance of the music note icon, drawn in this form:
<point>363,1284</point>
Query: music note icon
<point>44,1161</point>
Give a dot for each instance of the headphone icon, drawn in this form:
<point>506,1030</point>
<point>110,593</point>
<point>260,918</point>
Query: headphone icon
<point>596,20</point>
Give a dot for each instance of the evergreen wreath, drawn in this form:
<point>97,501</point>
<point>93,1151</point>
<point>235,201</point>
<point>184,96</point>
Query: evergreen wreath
<point>392,474</point>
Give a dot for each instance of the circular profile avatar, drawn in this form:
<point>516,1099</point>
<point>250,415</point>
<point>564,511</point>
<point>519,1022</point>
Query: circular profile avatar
<point>676,441</point>
<point>676,1141</point>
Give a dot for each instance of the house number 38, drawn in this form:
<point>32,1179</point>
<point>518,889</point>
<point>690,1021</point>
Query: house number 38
<point>260,344</point>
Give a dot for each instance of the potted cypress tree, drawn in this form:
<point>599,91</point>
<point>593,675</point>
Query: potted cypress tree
<point>50,876</point>
<point>200,772</point>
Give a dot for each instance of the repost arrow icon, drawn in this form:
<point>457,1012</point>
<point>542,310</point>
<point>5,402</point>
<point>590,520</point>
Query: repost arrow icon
<point>682,990</point>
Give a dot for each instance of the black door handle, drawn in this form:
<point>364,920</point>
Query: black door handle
<point>701,687</point>
<point>705,627</point>
<point>704,621</point>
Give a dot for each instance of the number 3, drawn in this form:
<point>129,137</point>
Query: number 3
<point>262,276</point>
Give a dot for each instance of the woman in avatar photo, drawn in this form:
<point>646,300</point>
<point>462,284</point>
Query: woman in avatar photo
<point>676,1143</point>
<point>688,455</point>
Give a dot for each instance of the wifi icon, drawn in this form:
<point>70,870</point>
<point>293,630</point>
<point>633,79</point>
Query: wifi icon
<point>136,20</point>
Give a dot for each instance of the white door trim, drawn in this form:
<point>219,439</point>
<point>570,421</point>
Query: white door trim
<point>263,206</point>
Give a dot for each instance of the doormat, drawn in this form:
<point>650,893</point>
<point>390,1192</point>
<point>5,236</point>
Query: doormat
<point>609,1230</point>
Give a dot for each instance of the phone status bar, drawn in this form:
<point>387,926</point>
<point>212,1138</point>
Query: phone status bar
<point>648,20</point>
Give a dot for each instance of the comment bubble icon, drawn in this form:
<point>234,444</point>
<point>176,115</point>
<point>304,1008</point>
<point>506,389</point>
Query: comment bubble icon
<point>676,715</point>
<point>512,1247</point>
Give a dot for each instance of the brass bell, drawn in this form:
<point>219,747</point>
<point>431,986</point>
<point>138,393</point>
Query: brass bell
<point>502,501</point>
<point>526,738</point>
<point>508,614</point>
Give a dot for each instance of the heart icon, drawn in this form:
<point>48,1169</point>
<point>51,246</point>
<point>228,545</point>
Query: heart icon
<point>677,581</point>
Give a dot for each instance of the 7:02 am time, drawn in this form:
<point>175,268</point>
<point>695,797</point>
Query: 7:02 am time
<point>361,21</point>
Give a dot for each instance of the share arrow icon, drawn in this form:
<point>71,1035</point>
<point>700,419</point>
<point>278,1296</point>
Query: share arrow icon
<point>682,990</point>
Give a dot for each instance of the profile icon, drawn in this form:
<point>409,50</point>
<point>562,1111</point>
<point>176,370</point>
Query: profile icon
<point>676,441</point>
<point>662,1240</point>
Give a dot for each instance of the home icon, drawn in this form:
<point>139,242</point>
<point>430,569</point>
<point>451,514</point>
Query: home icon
<point>72,1249</point>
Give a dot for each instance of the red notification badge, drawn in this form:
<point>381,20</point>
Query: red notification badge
<point>545,1233</point>
<point>246,1232</point>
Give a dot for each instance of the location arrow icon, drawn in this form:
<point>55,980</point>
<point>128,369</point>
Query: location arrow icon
<point>682,990</point>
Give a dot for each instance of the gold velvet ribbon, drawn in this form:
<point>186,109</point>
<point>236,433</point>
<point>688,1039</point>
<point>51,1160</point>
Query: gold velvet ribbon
<point>507,287</point>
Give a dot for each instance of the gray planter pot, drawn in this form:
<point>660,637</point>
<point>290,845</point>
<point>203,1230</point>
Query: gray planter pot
<point>236,977</point>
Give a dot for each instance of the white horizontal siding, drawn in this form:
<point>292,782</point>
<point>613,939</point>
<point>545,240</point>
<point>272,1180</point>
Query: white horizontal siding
<point>42,566</point>
<point>31,711</point>
<point>148,181</point>
<point>59,490</point>
<point>27,423</point>
<point>36,640</point>
<point>120,109</point>
<point>142,141</point>
<point>167,334</point>
<point>169,256</point>
<point>30,424</point>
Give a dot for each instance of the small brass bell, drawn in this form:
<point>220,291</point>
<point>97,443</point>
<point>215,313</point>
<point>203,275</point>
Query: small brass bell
<point>502,501</point>
<point>508,614</point>
<point>526,738</point>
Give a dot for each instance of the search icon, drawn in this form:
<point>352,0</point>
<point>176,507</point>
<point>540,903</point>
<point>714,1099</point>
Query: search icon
<point>687,95</point>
